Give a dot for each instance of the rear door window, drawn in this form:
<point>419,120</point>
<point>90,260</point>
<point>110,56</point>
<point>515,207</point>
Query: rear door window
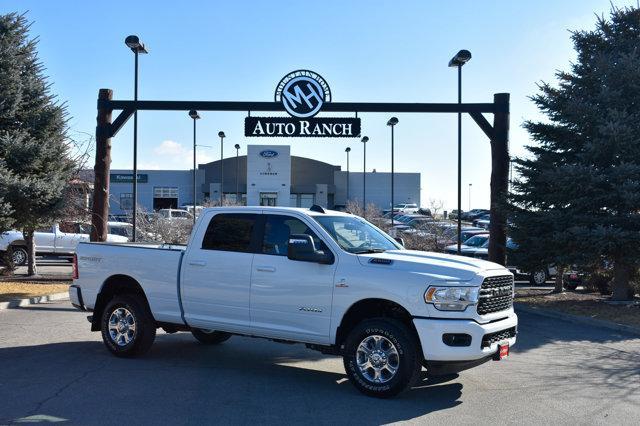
<point>231,232</point>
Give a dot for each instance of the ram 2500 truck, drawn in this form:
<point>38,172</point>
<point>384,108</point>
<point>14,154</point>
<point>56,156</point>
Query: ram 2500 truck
<point>327,279</point>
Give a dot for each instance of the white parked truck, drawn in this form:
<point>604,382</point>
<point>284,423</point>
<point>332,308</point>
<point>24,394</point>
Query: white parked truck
<point>60,239</point>
<point>327,279</point>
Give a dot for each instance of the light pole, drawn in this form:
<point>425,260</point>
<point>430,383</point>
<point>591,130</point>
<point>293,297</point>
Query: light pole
<point>195,116</point>
<point>364,140</point>
<point>470,196</point>
<point>237,146</point>
<point>392,123</point>
<point>348,150</point>
<point>222,136</point>
<point>137,47</point>
<point>461,58</point>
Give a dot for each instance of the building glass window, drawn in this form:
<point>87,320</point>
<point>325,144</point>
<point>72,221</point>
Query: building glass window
<point>165,192</point>
<point>268,198</point>
<point>126,201</point>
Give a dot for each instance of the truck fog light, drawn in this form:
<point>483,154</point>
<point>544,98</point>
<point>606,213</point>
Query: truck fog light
<point>456,339</point>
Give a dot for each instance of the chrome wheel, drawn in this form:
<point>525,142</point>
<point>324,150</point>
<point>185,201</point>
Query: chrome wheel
<point>19,256</point>
<point>539,277</point>
<point>377,359</point>
<point>122,326</point>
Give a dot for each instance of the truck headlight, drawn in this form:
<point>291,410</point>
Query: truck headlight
<point>451,298</point>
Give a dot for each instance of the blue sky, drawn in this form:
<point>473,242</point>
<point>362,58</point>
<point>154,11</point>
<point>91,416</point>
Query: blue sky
<point>387,51</point>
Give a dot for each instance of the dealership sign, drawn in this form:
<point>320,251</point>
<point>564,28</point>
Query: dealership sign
<point>303,93</point>
<point>128,177</point>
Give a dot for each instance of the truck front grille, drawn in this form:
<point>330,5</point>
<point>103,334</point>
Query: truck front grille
<point>491,338</point>
<point>496,294</point>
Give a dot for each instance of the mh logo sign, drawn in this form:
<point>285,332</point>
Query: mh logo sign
<point>302,93</point>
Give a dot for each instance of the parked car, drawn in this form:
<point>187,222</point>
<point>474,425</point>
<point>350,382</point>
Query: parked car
<point>174,214</point>
<point>538,276</point>
<point>327,279</point>
<point>473,214</point>
<point>485,219</point>
<point>572,279</point>
<point>60,239</point>
<point>406,208</point>
<point>468,247</point>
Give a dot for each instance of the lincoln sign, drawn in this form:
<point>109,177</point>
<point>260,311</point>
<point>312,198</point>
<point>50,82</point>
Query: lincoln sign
<point>302,94</point>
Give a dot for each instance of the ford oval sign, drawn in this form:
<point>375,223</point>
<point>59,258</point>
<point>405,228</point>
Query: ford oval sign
<point>268,153</point>
<point>302,93</point>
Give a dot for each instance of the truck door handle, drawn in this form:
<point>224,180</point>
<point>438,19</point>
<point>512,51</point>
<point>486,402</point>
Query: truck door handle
<point>197,263</point>
<point>266,268</point>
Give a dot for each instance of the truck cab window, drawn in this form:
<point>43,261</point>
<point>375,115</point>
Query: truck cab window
<point>277,230</point>
<point>230,232</point>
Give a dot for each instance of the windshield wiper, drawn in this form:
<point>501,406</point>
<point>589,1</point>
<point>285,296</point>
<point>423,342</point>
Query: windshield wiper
<point>368,251</point>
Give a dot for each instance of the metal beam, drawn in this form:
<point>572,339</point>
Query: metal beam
<point>120,121</point>
<point>483,123</point>
<point>277,106</point>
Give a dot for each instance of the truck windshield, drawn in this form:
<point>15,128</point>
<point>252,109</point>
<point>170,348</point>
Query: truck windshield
<point>356,235</point>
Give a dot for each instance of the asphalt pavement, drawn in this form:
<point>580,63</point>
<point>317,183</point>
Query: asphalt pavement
<point>54,369</point>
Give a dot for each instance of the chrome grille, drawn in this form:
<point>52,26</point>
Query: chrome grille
<point>496,294</point>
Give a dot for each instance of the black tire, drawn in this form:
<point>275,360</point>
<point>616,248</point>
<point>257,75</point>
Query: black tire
<point>407,361</point>
<point>141,338</point>
<point>19,254</point>
<point>570,286</point>
<point>535,278</point>
<point>210,337</point>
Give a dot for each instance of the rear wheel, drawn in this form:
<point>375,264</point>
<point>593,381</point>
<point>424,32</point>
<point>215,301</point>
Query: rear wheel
<point>538,277</point>
<point>128,329</point>
<point>210,337</point>
<point>381,358</point>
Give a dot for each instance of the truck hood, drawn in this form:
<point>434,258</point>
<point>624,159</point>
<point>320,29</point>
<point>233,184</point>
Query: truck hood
<point>436,265</point>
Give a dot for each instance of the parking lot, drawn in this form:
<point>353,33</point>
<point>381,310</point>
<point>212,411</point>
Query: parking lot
<point>55,368</point>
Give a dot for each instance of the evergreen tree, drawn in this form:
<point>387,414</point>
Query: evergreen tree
<point>34,149</point>
<point>578,197</point>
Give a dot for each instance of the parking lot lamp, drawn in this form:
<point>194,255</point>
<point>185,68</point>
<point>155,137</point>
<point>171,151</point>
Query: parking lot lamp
<point>222,136</point>
<point>137,47</point>
<point>237,146</point>
<point>392,123</point>
<point>364,140</point>
<point>461,58</point>
<point>195,116</point>
<point>348,150</point>
<point>470,196</point>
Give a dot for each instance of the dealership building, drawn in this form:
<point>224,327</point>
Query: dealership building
<point>267,176</point>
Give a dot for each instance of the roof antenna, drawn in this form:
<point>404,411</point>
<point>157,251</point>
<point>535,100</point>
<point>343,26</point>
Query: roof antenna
<point>316,208</point>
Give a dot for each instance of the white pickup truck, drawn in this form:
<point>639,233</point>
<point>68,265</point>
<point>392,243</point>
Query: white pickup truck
<point>328,279</point>
<point>60,239</point>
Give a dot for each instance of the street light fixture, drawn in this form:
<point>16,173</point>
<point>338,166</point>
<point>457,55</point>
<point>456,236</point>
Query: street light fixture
<point>469,196</point>
<point>237,147</point>
<point>222,136</point>
<point>137,47</point>
<point>392,123</point>
<point>348,150</point>
<point>364,141</point>
<point>461,58</point>
<point>195,116</point>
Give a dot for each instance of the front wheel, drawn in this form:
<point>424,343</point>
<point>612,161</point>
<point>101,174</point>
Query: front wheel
<point>209,337</point>
<point>538,277</point>
<point>381,358</point>
<point>127,326</point>
<point>19,255</point>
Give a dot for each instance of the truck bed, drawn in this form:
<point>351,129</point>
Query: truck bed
<point>155,266</point>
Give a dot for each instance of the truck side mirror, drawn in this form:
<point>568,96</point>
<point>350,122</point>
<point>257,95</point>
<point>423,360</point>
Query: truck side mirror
<point>400,241</point>
<point>301,247</point>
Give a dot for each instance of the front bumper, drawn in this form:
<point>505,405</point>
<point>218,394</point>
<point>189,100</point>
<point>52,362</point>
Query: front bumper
<point>431,331</point>
<point>75,295</point>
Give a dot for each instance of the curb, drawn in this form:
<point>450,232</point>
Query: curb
<point>33,300</point>
<point>578,319</point>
